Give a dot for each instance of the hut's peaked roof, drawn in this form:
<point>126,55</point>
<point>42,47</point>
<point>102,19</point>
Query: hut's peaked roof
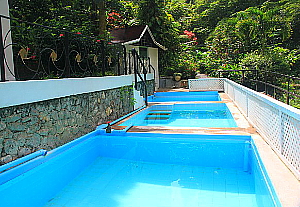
<point>132,35</point>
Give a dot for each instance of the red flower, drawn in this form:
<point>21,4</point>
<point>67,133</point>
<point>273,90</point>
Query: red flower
<point>78,32</point>
<point>61,35</point>
<point>114,14</point>
<point>190,35</point>
<point>98,40</point>
<point>112,18</point>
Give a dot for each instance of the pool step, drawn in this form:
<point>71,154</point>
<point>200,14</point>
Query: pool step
<point>156,118</point>
<point>158,115</point>
<point>161,110</point>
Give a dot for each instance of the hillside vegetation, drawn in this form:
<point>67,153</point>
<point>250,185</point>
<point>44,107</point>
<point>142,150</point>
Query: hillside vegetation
<point>201,35</point>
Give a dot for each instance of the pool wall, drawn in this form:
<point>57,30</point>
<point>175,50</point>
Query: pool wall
<point>60,166</point>
<point>34,187</point>
<point>184,96</point>
<point>200,150</point>
<point>265,190</point>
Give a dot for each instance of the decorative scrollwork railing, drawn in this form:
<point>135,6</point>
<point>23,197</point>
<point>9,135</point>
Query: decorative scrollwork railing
<point>42,52</point>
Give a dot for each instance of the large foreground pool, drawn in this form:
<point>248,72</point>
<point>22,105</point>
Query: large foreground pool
<point>143,170</point>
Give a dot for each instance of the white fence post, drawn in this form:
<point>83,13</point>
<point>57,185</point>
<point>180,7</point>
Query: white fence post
<point>9,66</point>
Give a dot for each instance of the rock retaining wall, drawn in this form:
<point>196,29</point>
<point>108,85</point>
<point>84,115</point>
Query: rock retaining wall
<point>48,124</point>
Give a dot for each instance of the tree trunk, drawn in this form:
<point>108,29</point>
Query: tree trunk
<point>102,18</point>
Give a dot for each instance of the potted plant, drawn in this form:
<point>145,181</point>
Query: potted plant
<point>177,76</point>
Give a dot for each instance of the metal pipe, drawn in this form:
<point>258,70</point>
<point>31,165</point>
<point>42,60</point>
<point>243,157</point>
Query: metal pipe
<point>118,64</point>
<point>135,68</point>
<point>266,82</point>
<point>22,160</point>
<point>129,63</point>
<point>103,58</point>
<point>2,66</point>
<point>288,94</point>
<point>256,80</point>
<point>67,51</point>
<point>125,60</point>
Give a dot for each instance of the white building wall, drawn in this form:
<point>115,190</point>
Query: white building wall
<point>4,10</point>
<point>153,54</point>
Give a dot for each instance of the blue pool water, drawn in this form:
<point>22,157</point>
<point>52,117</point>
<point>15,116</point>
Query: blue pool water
<point>184,96</point>
<point>136,169</point>
<point>184,115</point>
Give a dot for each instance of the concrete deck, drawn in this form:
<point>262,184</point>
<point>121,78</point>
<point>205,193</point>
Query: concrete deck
<point>286,184</point>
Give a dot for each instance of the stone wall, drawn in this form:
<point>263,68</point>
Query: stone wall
<point>48,124</point>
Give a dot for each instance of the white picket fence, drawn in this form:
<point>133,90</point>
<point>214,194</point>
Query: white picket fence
<point>277,122</point>
<point>206,84</point>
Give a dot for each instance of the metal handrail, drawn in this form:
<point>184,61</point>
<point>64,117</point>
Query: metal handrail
<point>264,74</point>
<point>154,73</point>
<point>137,73</point>
<point>272,72</point>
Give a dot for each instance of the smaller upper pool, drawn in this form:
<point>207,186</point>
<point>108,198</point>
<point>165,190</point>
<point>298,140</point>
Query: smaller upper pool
<point>185,96</point>
<point>216,115</point>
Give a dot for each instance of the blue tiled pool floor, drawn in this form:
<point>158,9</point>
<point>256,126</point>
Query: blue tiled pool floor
<point>110,182</point>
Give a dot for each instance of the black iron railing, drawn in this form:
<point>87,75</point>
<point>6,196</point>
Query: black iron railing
<point>151,68</point>
<point>139,66</point>
<point>282,87</point>
<point>42,52</point>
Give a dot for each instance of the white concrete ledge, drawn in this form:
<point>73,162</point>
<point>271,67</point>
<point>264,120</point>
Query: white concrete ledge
<point>22,92</point>
<point>292,111</point>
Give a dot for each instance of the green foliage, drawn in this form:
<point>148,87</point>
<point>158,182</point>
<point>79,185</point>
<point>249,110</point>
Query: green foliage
<point>212,12</point>
<point>126,94</point>
<point>228,34</point>
<point>255,38</point>
<point>276,59</point>
<point>164,28</point>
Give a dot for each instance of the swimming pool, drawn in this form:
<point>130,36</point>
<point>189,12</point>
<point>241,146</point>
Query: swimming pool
<point>136,169</point>
<point>185,96</point>
<point>215,115</point>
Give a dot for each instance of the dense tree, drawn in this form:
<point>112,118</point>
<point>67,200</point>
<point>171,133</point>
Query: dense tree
<point>164,28</point>
<point>212,12</point>
<point>227,33</point>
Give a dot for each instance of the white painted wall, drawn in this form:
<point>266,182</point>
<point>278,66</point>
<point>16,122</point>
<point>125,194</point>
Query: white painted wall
<point>139,100</point>
<point>22,92</point>
<point>153,54</point>
<point>4,10</point>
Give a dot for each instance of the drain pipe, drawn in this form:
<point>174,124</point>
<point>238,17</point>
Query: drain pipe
<point>104,126</point>
<point>22,160</point>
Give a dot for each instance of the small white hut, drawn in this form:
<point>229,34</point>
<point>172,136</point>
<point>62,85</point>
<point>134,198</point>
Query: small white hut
<point>140,38</point>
